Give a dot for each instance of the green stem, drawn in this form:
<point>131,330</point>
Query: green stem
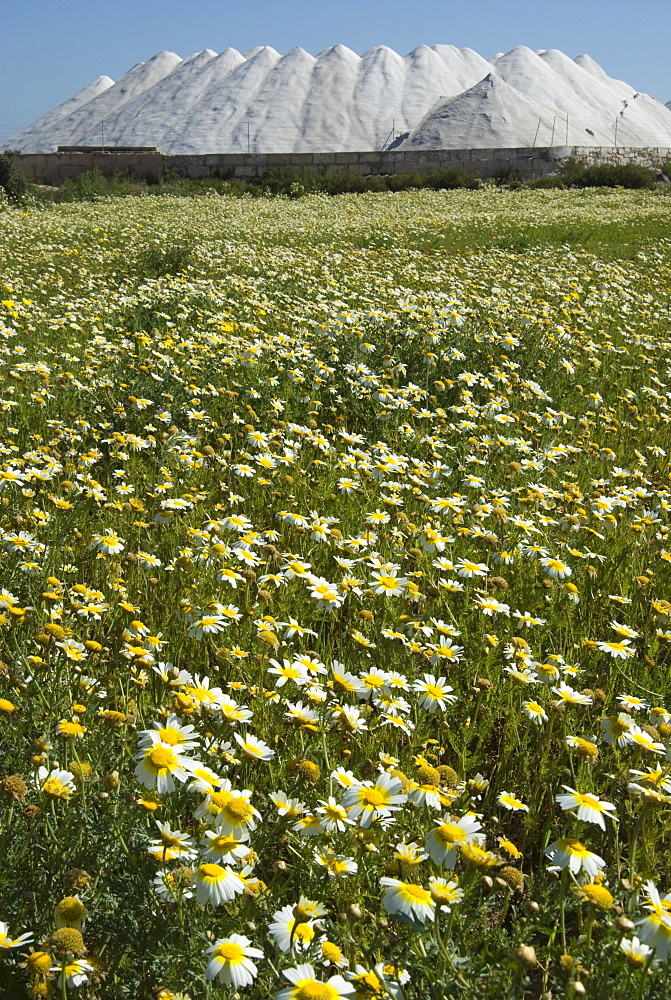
<point>562,908</point>
<point>588,930</point>
<point>632,850</point>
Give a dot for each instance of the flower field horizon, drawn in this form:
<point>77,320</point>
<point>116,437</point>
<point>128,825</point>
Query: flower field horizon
<point>336,597</point>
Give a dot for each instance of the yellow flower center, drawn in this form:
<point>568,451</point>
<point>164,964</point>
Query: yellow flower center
<point>238,809</point>
<point>313,990</point>
<point>211,872</point>
<point>303,932</point>
<point>367,984</point>
<point>449,834</point>
<point>70,910</point>
<point>414,893</point>
<point>331,951</point>
<point>373,797</point>
<point>55,788</point>
<point>171,736</point>
<point>373,681</point>
<point>590,801</point>
<point>40,962</point>
<point>223,844</point>
<point>219,799</point>
<point>599,896</point>
<point>161,758</point>
<point>433,691</point>
<point>229,951</point>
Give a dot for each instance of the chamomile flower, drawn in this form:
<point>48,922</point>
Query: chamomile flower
<point>434,693</point>
<point>556,568</point>
<point>56,784</point>
<point>567,852</point>
<point>159,766</point>
<point>7,942</point>
<point>535,712</point>
<point>511,802</point>
<point>367,801</point>
<point>216,885</point>
<point>619,649</point>
<point>408,899</point>
<point>376,983</point>
<point>337,865</point>
<point>224,848</point>
<point>289,932</point>
<point>566,695</point>
<point>173,844</point>
<point>445,893</point>
<point>231,961</point>
<point>615,728</point>
<point>644,741</point>
<point>636,952</point>
<point>334,817</point>
<point>655,929</point>
<point>454,832</point>
<point>624,630</point>
<point>172,733</point>
<point>306,986</point>
<point>74,972</point>
<point>589,808</point>
<point>253,747</point>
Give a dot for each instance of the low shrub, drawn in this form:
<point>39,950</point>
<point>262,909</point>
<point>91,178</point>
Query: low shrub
<point>12,181</point>
<point>626,175</point>
<point>551,181</point>
<point>450,178</point>
<point>294,183</point>
<point>156,260</point>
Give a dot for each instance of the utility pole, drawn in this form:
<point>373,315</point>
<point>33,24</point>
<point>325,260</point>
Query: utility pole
<point>567,128</point>
<point>537,129</point>
<point>102,126</point>
<point>552,140</point>
<point>616,132</point>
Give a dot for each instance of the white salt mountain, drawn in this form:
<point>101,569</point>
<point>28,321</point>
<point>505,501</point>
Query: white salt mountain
<point>435,97</point>
<point>64,110</point>
<point>153,111</point>
<point>580,95</point>
<point>490,114</point>
<point>68,130</point>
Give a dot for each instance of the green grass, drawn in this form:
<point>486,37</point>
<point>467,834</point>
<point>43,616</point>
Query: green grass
<point>338,432</point>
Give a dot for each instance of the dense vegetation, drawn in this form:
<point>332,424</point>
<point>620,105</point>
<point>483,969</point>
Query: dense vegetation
<point>293,182</point>
<point>336,617</point>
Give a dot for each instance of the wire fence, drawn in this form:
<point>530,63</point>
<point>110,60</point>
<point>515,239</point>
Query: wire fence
<point>254,135</point>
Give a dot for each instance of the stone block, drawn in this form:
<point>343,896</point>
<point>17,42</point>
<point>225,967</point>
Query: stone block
<point>277,159</point>
<point>526,160</point>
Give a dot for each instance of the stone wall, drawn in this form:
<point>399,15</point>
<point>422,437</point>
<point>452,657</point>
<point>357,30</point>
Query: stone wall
<point>54,168</point>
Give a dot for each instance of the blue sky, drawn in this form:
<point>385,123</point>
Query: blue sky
<point>49,49</point>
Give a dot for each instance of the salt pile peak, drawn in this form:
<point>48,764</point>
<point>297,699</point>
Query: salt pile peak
<point>39,136</point>
<point>439,95</point>
<point>490,114</point>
